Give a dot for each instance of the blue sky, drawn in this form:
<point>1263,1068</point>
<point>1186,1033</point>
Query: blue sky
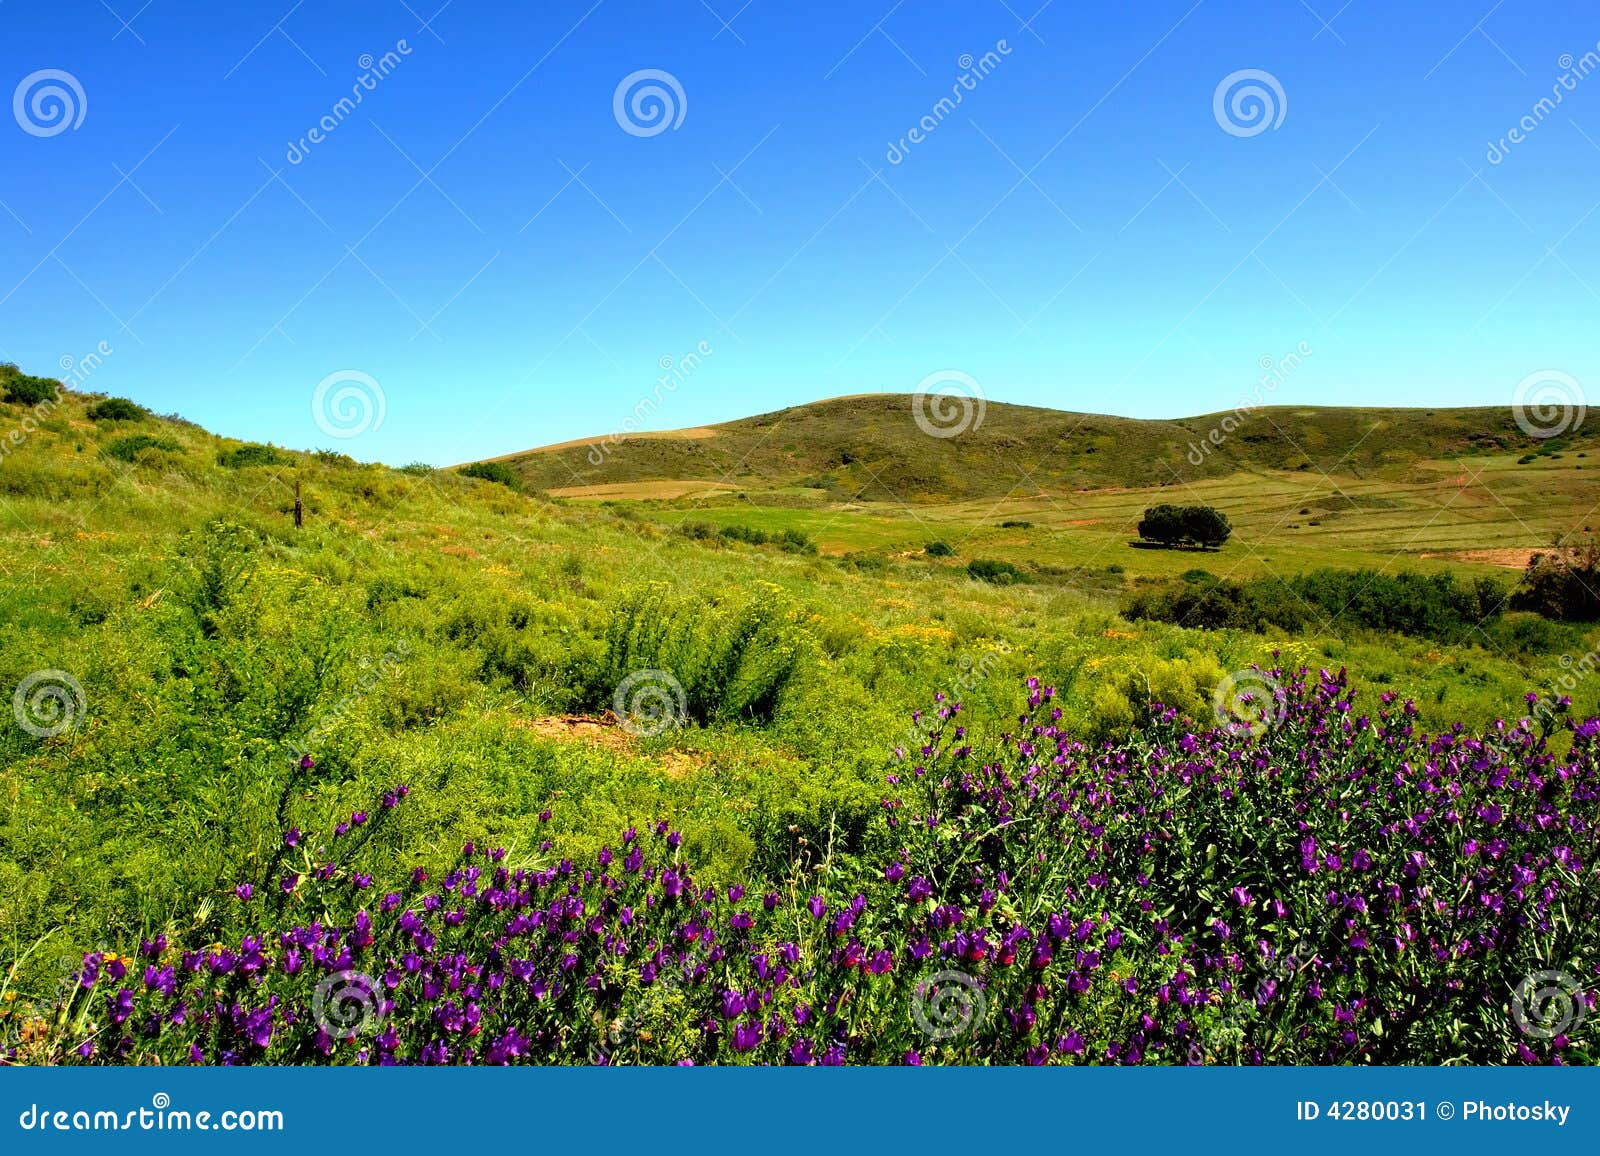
<point>508,265</point>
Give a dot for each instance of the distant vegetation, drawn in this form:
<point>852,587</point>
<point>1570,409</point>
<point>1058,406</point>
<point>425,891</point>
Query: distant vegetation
<point>999,573</point>
<point>492,472</point>
<point>1434,606</point>
<point>1199,526</point>
<point>792,541</point>
<point>252,455</point>
<point>129,448</point>
<point>1562,584</point>
<point>20,389</point>
<point>117,409</point>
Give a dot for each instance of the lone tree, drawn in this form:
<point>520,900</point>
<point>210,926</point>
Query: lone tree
<point>1200,526</point>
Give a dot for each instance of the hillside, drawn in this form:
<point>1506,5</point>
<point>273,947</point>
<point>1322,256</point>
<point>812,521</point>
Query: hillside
<point>871,448</point>
<point>171,644</point>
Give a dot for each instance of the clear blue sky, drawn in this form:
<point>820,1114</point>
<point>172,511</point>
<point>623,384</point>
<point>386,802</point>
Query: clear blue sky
<point>1145,266</point>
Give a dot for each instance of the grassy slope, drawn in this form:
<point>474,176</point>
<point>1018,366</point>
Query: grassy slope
<point>870,446</point>
<point>174,782</point>
<point>1304,487</point>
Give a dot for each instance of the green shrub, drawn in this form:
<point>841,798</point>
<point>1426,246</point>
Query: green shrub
<point>1435,606</point>
<point>691,660</point>
<point>1564,585</point>
<point>746,534</point>
<point>998,573</point>
<point>117,409</point>
<point>251,454</point>
<point>497,472</point>
<point>24,390</point>
<point>129,448</point>
<point>417,469</point>
<point>794,542</point>
<point>697,531</point>
<point>939,549</point>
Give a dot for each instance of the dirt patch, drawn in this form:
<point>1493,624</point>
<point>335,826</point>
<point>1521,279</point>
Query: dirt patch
<point>1515,558</point>
<point>603,731</point>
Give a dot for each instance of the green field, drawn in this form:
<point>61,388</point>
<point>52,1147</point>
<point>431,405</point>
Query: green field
<point>468,638</point>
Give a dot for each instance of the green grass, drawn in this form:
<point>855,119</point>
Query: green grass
<point>426,626</point>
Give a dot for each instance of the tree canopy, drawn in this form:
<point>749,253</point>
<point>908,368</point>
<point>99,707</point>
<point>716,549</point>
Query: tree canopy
<point>1185,526</point>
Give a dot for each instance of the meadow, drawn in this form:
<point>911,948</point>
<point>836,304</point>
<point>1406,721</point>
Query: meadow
<point>206,694</point>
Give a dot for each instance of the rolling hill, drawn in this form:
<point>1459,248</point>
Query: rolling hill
<point>871,448</point>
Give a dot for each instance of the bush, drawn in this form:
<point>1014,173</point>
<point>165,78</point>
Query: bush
<point>129,448</point>
<point>117,409</point>
<point>251,454</point>
<point>1564,585</point>
<point>1435,606</point>
<point>497,472</point>
<point>24,390</point>
<point>1201,526</point>
<point>669,661</point>
<point>998,573</point>
<point>417,469</point>
<point>938,550</point>
<point>745,534</point>
<point>794,542</point>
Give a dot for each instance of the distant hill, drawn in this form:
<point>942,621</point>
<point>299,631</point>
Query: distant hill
<point>872,447</point>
